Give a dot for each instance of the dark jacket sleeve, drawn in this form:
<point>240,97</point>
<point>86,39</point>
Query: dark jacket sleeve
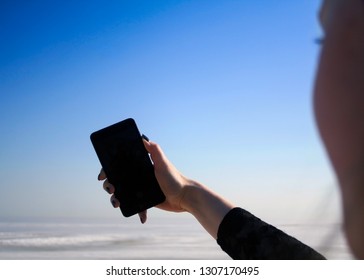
<point>243,236</point>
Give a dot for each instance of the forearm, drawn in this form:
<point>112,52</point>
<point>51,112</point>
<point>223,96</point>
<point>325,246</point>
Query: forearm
<point>206,206</point>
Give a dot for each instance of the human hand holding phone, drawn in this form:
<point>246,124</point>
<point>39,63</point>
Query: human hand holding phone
<point>171,181</point>
<point>182,194</point>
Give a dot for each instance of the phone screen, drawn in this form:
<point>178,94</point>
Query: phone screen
<point>128,167</point>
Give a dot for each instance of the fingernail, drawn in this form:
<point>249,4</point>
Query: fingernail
<point>142,220</point>
<point>113,203</point>
<point>99,177</point>
<point>107,188</point>
<point>145,137</point>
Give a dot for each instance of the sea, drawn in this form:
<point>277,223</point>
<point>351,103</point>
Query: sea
<point>173,237</point>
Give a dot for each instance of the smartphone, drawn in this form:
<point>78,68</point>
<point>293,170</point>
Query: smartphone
<point>128,167</point>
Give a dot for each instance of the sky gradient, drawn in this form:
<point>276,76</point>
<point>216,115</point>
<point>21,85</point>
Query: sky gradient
<point>225,87</point>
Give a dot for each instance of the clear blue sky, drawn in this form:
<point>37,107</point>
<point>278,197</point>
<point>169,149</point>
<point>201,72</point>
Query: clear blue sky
<point>223,86</point>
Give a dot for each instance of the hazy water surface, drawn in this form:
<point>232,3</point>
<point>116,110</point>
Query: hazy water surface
<point>172,237</point>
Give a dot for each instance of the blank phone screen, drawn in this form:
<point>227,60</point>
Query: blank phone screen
<point>128,167</point>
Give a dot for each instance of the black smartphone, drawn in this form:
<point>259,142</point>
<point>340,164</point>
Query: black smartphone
<point>128,167</point>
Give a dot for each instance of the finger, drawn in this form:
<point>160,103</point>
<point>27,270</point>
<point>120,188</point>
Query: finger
<point>114,201</point>
<point>155,152</point>
<point>145,137</point>
<point>146,143</point>
<point>149,147</point>
<point>102,175</point>
<point>143,216</point>
<point>109,188</point>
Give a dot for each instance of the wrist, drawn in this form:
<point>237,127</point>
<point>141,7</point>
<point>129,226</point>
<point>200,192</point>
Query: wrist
<point>205,205</point>
<point>189,198</point>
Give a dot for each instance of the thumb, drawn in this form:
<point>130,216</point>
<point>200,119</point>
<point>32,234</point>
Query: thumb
<point>154,150</point>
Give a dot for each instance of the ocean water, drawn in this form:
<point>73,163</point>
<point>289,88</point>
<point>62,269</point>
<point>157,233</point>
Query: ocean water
<point>172,237</point>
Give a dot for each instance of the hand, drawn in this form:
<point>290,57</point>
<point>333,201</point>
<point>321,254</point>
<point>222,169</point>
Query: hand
<point>171,181</point>
<point>182,194</point>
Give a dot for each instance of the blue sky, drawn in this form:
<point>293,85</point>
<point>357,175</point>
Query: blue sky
<point>223,86</point>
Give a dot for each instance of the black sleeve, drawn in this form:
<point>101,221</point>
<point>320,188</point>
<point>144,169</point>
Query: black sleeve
<point>243,236</point>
